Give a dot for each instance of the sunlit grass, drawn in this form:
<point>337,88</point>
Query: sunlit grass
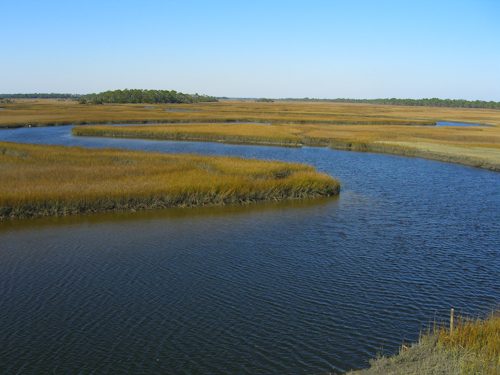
<point>472,349</point>
<point>361,127</point>
<point>229,133</point>
<point>54,112</point>
<point>55,180</point>
<point>67,113</point>
<point>479,339</point>
<point>474,146</point>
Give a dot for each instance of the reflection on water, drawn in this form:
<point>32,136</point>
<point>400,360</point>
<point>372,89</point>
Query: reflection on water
<point>296,287</point>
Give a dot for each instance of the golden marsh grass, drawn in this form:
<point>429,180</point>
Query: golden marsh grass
<point>55,180</point>
<point>475,146</point>
<point>479,338</point>
<point>53,112</point>
<point>67,113</point>
<point>229,133</point>
<point>472,349</point>
<point>350,126</point>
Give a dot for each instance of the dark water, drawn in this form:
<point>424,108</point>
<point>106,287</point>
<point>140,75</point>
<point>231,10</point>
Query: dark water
<point>304,287</point>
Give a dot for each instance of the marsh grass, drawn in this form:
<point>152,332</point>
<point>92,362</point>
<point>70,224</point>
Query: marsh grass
<point>55,180</point>
<point>479,339</point>
<point>53,112</point>
<point>228,133</point>
<point>478,147</point>
<point>68,113</point>
<point>472,349</point>
<point>348,126</point>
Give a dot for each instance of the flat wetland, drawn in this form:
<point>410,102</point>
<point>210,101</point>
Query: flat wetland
<point>402,130</point>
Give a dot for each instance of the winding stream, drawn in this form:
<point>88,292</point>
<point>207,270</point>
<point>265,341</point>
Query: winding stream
<point>300,287</point>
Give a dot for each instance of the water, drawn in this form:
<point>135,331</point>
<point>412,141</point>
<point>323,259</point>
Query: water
<point>461,124</point>
<point>304,287</point>
<point>183,110</point>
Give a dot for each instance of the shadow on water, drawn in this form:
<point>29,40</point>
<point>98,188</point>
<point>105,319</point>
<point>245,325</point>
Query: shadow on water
<point>190,214</point>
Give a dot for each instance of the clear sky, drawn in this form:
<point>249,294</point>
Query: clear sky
<point>317,49</point>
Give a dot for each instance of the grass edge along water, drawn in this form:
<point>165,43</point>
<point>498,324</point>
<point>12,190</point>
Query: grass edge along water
<point>466,346</point>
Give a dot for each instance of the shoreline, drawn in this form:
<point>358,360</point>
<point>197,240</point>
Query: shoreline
<point>464,346</point>
<point>132,204</point>
<point>408,149</point>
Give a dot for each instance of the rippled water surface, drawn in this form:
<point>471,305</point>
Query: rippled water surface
<point>301,287</point>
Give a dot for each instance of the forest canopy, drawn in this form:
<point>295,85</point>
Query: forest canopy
<point>434,102</point>
<point>40,96</point>
<point>144,96</point>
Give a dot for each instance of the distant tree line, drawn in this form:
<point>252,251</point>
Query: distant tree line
<point>144,96</point>
<point>434,102</point>
<point>265,100</point>
<point>39,96</point>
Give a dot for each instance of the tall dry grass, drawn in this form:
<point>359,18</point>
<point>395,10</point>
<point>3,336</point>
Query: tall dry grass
<point>479,147</point>
<point>55,180</point>
<point>52,112</point>
<point>229,133</point>
<point>472,349</point>
<point>377,128</point>
<point>479,338</point>
<point>57,113</point>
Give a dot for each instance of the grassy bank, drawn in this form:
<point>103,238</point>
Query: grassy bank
<point>54,180</point>
<point>472,348</point>
<point>478,157</point>
<point>478,147</point>
<point>228,133</point>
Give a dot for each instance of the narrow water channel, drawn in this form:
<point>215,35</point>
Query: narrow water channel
<point>300,287</point>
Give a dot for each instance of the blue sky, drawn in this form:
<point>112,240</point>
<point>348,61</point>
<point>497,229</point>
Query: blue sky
<point>320,49</point>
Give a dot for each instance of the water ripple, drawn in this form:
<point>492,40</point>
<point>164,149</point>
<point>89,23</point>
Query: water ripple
<point>293,287</point>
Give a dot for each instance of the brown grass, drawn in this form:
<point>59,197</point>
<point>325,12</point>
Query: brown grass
<point>54,180</point>
<point>479,338</point>
<point>479,147</point>
<point>472,349</point>
<point>54,112</point>
<point>376,128</point>
<point>229,133</point>
<point>64,113</point>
